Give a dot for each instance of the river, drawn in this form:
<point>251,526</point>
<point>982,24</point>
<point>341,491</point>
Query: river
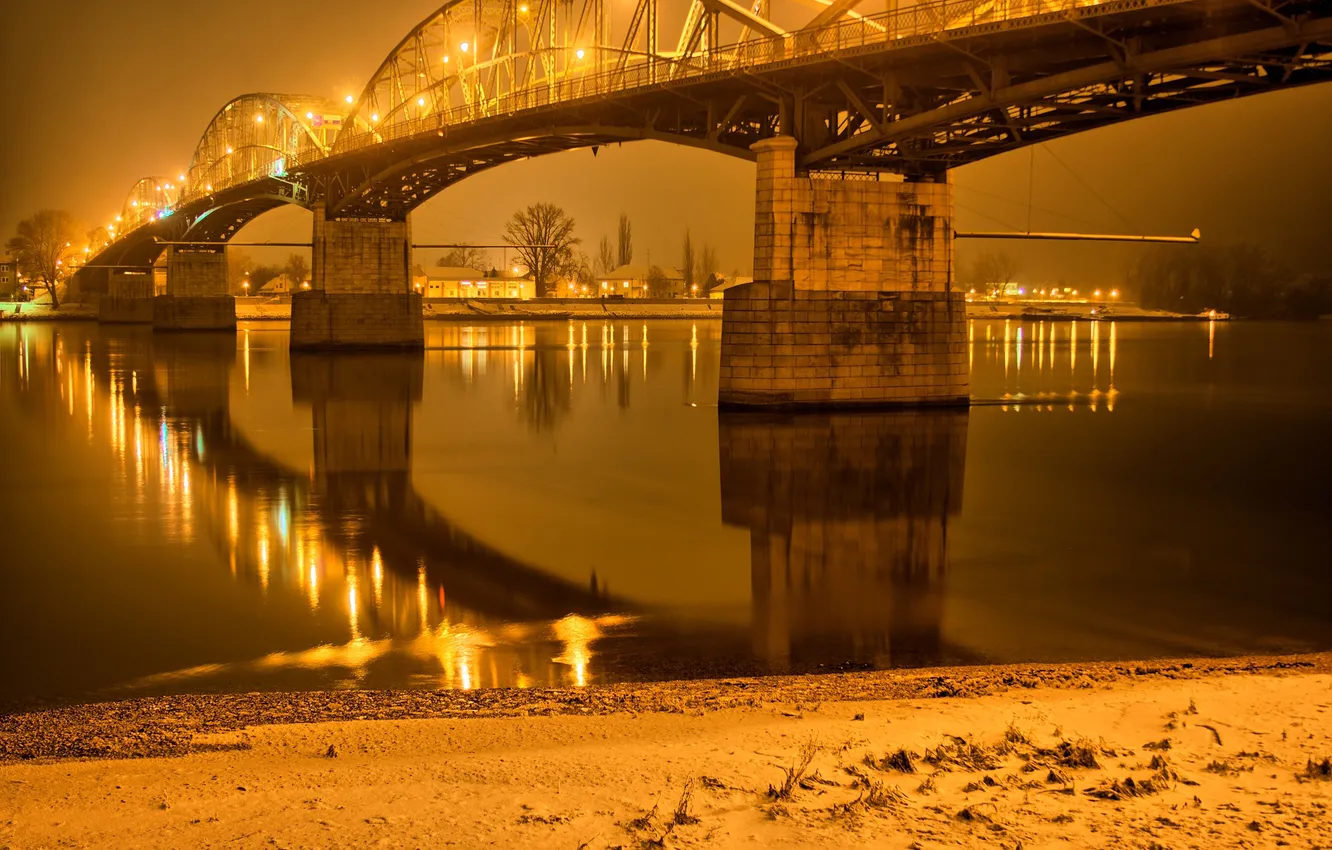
<point>556,503</point>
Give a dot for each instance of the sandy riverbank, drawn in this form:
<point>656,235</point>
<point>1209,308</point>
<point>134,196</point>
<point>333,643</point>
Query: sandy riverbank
<point>1199,754</point>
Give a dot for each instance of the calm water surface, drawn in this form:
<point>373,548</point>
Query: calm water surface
<point>561,504</point>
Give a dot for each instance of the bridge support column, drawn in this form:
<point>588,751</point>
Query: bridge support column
<point>853,301</point>
<point>128,298</point>
<point>361,292</point>
<point>196,296</point>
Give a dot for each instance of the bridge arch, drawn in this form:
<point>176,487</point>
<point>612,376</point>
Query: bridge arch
<point>476,59</point>
<point>258,136</point>
<point>147,201</point>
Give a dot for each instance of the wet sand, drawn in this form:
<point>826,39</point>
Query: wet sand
<point>1195,753</point>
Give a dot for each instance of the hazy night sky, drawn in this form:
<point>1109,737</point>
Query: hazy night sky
<point>103,94</point>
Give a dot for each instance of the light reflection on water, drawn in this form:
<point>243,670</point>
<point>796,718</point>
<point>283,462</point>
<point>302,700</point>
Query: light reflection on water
<point>381,551</point>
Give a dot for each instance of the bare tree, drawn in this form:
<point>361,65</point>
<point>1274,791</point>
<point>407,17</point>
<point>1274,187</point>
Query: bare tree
<point>606,257</point>
<point>466,257</point>
<point>626,241</point>
<point>42,248</point>
<point>297,268</point>
<point>707,267</point>
<point>995,270</point>
<point>543,237</point>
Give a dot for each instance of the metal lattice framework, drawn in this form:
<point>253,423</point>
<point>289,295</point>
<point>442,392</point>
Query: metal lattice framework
<point>260,135</point>
<point>915,89</point>
<point>148,200</point>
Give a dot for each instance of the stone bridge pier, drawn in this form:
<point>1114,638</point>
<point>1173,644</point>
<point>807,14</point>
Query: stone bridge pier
<point>361,292</point>
<point>848,518</point>
<point>197,297</point>
<point>128,298</point>
<point>853,302</point>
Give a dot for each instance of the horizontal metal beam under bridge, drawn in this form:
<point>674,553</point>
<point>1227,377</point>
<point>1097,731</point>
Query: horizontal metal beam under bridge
<point>1192,239</point>
<point>311,245</point>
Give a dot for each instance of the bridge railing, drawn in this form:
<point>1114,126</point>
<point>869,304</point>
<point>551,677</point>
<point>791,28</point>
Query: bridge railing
<point>899,28</point>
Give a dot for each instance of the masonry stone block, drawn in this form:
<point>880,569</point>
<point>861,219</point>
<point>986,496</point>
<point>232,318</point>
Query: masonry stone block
<point>331,320</point>
<point>129,299</point>
<point>194,313</point>
<point>853,298</point>
<point>361,292</point>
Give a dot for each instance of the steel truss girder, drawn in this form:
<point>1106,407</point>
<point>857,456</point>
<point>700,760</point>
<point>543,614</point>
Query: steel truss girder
<point>926,87</point>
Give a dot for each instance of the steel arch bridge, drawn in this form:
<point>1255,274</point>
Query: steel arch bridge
<point>915,88</point>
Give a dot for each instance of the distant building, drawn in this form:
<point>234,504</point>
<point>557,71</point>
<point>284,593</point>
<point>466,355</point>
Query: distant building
<point>719,291</point>
<point>8,277</point>
<point>461,282</point>
<point>631,281</point>
<point>280,285</point>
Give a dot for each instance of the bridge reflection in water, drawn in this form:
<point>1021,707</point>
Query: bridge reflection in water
<point>848,517</point>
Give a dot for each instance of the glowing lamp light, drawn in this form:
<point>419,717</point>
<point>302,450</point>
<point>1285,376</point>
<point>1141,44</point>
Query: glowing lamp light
<point>463,47</point>
<point>374,117</point>
<point>351,99</point>
<point>258,119</point>
<point>182,178</point>
<point>1022,291</point>
<point>446,60</point>
<point>1114,293</point>
<point>523,9</point>
<point>134,203</point>
<point>420,101</point>
<point>228,148</point>
<point>117,219</point>
<point>309,116</point>
<point>579,53</point>
<point>1097,293</point>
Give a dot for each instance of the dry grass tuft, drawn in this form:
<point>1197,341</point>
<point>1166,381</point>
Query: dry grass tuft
<point>681,816</point>
<point>1130,787</point>
<point>644,821</point>
<point>795,772</point>
<point>1014,735</point>
<point>1319,769</point>
<point>1162,779</point>
<point>1067,754</point>
<point>971,813</point>
<point>926,786</point>
<point>899,761</point>
<point>1163,744</point>
<point>961,754</point>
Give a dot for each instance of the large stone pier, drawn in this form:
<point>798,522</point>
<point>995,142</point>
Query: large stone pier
<point>361,292</point>
<point>853,301</point>
<point>196,296</point>
<point>128,298</point>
